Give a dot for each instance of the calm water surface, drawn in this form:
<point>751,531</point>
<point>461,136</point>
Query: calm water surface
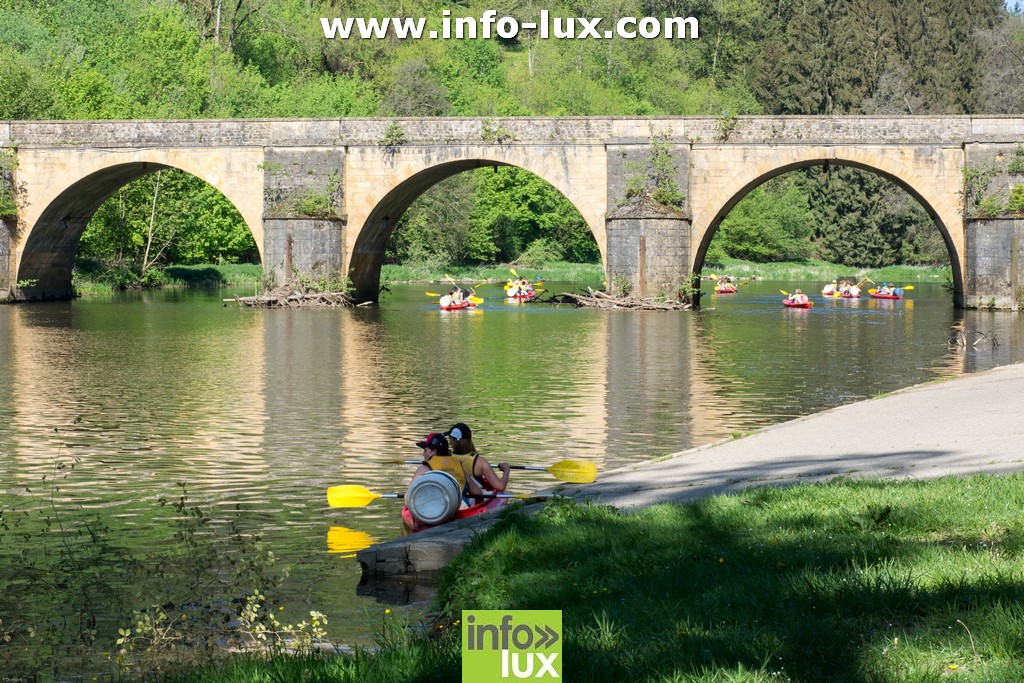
<point>262,410</point>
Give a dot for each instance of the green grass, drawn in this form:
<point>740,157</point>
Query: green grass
<point>94,282</point>
<point>211,275</point>
<point>585,273</point>
<point>825,272</point>
<point>845,581</point>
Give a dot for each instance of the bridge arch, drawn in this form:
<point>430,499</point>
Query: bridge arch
<point>375,212</point>
<point>59,211</point>
<point>940,200</point>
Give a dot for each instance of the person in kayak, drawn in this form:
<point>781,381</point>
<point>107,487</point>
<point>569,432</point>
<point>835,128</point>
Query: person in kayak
<point>483,473</point>
<point>829,290</point>
<point>798,297</point>
<point>885,289</point>
<point>437,456</point>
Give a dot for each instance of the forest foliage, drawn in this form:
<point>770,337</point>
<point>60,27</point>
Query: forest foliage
<point>113,59</point>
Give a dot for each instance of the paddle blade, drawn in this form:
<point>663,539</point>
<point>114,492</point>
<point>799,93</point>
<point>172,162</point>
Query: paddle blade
<point>574,471</point>
<point>909,287</point>
<point>784,292</point>
<point>431,294</point>
<point>872,291</point>
<point>514,272</point>
<point>350,496</point>
<point>476,299</point>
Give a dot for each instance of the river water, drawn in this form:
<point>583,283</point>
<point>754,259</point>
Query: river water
<point>259,411</point>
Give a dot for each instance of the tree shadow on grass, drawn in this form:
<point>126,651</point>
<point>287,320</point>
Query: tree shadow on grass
<point>196,277</point>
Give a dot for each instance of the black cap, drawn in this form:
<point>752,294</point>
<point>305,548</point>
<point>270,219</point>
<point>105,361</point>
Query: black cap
<point>459,430</point>
<point>435,441</point>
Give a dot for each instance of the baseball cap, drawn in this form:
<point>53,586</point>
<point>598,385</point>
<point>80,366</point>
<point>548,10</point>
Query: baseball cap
<point>435,441</point>
<point>459,430</point>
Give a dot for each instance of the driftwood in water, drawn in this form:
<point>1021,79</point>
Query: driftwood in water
<point>287,297</point>
<point>597,299</point>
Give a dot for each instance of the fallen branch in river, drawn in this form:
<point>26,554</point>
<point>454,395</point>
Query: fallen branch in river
<point>598,299</point>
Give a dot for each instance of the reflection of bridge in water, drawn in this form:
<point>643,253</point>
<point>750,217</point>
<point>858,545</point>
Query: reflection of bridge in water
<point>266,168</point>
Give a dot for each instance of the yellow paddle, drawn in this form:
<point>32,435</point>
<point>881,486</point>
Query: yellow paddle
<point>784,292</point>
<point>355,496</point>
<point>431,294</point>
<point>572,471</point>
<point>475,299</point>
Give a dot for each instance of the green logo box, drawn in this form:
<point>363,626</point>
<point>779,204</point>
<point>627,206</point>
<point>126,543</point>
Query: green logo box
<point>499,646</point>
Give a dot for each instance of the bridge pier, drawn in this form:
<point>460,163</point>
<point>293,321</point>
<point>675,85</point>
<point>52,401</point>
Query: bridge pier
<point>303,227</point>
<point>648,250</point>
<point>994,264</point>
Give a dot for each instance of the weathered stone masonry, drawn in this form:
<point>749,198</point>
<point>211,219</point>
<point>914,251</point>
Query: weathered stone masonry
<point>322,196</point>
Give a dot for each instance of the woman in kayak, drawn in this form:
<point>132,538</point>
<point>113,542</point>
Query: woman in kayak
<point>798,297</point>
<point>483,473</point>
<point>437,456</point>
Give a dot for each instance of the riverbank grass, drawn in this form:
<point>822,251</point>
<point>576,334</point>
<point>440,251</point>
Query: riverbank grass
<point>822,271</point>
<point>845,581</point>
<point>591,274</point>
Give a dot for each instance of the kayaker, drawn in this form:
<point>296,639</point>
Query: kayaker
<point>483,473</point>
<point>885,289</point>
<point>457,294</point>
<point>829,290</point>
<point>437,456</point>
<point>798,297</point>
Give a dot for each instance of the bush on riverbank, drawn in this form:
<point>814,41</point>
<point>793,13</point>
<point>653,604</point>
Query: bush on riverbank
<point>845,581</point>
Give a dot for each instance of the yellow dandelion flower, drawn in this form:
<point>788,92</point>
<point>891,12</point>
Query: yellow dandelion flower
<point>953,666</point>
<point>387,611</point>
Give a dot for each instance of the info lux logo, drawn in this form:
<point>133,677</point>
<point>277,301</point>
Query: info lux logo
<point>509,645</point>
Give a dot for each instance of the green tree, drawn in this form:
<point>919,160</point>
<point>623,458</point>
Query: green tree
<point>771,223</point>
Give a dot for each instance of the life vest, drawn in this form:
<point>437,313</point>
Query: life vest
<point>459,466</point>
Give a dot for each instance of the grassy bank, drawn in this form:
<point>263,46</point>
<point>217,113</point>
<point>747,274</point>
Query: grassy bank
<point>822,271</point>
<point>202,275</point>
<point>584,273</point>
<point>846,581</point>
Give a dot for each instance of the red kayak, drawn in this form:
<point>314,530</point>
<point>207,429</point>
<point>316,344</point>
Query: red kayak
<point>528,295</point>
<point>458,306</point>
<point>412,526</point>
<point>726,291</point>
<point>794,304</point>
<point>894,297</point>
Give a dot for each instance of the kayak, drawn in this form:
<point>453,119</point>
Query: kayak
<point>411,525</point>
<point>841,296</point>
<point>894,297</point>
<point>793,304</point>
<point>726,291</point>
<point>528,295</point>
<point>458,306</point>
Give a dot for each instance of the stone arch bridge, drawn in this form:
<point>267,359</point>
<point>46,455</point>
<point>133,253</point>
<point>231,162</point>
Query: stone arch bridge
<point>361,174</point>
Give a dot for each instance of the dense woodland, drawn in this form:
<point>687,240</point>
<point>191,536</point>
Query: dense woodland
<point>106,59</point>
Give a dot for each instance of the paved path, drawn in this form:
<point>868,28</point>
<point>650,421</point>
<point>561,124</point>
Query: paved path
<point>969,424</point>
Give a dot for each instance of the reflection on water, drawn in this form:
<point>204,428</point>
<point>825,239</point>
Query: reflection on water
<point>259,412</point>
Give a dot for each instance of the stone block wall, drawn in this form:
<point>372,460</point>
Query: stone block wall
<point>303,227</point>
<point>5,256</point>
<point>995,254</point>
<point>649,252</point>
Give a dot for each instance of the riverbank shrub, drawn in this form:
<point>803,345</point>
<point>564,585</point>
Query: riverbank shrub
<point>76,598</point>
